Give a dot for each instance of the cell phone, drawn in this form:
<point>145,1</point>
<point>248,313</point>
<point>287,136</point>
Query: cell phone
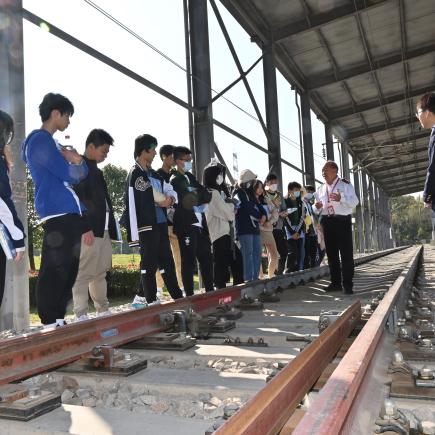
<point>66,147</point>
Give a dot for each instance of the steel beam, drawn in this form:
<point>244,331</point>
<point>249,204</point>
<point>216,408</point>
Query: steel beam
<point>317,21</point>
<point>307,139</point>
<point>407,190</point>
<point>385,169</point>
<point>343,112</point>
<point>272,114</point>
<point>397,141</point>
<point>329,142</point>
<point>201,84</point>
<point>381,127</point>
<point>14,312</point>
<point>315,83</point>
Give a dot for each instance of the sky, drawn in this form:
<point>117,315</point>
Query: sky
<point>105,98</point>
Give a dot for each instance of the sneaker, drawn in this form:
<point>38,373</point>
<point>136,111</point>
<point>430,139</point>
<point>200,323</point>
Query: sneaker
<point>139,302</point>
<point>156,302</point>
<point>82,317</point>
<point>59,322</point>
<point>104,313</point>
<point>334,288</point>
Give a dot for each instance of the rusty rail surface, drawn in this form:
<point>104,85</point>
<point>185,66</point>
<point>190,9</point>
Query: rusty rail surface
<point>268,411</point>
<point>36,352</point>
<point>331,412</point>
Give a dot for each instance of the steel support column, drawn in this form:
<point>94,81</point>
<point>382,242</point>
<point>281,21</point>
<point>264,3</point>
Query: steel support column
<point>373,221</point>
<point>15,308</point>
<point>377,216</point>
<point>359,227</point>
<point>345,161</point>
<point>367,222</point>
<point>201,84</point>
<point>307,140</point>
<point>329,143</point>
<point>272,114</point>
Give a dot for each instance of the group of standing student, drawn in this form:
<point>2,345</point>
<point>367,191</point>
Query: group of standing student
<point>168,214</point>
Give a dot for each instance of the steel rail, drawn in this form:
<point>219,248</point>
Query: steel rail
<point>268,410</point>
<point>331,412</point>
<point>36,352</point>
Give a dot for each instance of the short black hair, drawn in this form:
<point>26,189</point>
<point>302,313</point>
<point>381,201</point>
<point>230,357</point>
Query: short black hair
<point>6,128</point>
<point>271,177</point>
<point>166,150</point>
<point>52,102</point>
<point>180,152</point>
<point>310,188</point>
<point>427,102</point>
<point>99,137</point>
<point>144,142</point>
<point>293,185</point>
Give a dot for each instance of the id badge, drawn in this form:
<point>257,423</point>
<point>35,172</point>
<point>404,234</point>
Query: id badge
<point>330,210</point>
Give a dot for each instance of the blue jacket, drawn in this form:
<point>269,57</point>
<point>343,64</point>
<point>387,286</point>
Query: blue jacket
<point>429,185</point>
<point>51,174</point>
<point>8,214</point>
<point>248,214</point>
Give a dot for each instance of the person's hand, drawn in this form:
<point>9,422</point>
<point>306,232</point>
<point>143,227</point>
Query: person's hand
<point>283,214</point>
<point>88,238</point>
<point>262,220</point>
<point>71,156</point>
<point>296,236</point>
<point>318,204</point>
<point>335,196</point>
<point>428,204</point>
<point>18,256</point>
<point>166,203</point>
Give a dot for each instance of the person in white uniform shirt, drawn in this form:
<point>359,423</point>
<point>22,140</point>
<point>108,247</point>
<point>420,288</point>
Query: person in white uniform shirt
<point>334,202</point>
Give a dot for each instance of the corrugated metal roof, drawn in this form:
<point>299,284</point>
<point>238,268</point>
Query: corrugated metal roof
<point>364,63</point>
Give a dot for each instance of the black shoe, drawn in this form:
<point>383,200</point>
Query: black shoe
<point>333,288</point>
<point>348,291</point>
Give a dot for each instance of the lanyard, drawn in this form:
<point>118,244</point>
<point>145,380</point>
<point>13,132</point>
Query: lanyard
<point>333,187</point>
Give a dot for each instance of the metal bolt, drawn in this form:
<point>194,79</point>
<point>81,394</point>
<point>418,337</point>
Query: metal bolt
<point>128,356</point>
<point>397,357</point>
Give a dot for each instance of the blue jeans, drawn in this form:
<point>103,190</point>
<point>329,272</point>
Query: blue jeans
<point>250,245</point>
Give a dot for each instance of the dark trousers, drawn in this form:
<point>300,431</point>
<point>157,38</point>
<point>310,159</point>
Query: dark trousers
<point>226,258</point>
<point>293,254</point>
<point>281,245</point>
<point>155,252</point>
<point>60,257</point>
<point>337,231</point>
<point>310,251</point>
<point>195,244</point>
<point>2,274</point>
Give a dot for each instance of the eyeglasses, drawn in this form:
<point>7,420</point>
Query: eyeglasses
<point>419,112</point>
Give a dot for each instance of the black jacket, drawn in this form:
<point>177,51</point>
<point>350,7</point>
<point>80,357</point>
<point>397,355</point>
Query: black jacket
<point>190,193</point>
<point>140,209</point>
<point>429,185</point>
<point>93,194</point>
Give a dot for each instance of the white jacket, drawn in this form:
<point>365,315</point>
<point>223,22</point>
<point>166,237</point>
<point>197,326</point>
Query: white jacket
<point>219,214</point>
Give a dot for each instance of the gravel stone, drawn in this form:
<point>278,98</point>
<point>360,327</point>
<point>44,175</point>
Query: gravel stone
<point>67,396</point>
<point>215,401</point>
<point>69,383</point>
<point>205,397</point>
<point>148,400</point>
<point>230,409</point>
<point>83,393</point>
<point>90,401</point>
<point>160,407</point>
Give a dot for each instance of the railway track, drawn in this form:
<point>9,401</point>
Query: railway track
<point>202,388</point>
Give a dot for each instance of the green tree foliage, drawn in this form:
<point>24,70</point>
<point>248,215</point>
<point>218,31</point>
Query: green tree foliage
<point>410,219</point>
<point>115,177</point>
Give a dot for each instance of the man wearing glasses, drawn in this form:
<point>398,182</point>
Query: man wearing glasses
<point>426,115</point>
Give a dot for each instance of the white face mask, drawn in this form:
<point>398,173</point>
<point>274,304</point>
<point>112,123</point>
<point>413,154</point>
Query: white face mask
<point>219,179</point>
<point>308,196</point>
<point>272,187</point>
